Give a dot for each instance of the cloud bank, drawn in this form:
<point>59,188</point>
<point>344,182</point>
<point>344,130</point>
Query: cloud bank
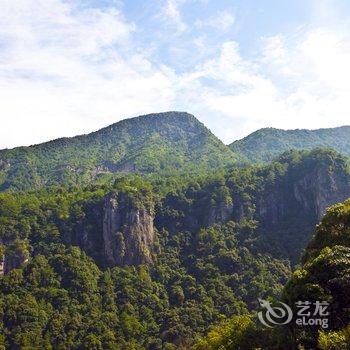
<point>67,69</point>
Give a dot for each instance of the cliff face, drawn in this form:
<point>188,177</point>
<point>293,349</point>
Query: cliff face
<point>222,212</point>
<point>12,255</point>
<point>284,201</point>
<point>289,210</point>
<point>128,232</point>
<point>326,187</point>
<point>308,195</point>
<point>10,262</point>
<point>175,214</point>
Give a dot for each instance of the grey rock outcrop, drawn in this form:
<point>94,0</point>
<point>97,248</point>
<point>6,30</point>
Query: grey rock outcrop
<point>128,231</point>
<point>12,256</point>
<point>221,213</point>
<point>308,195</point>
<point>325,189</point>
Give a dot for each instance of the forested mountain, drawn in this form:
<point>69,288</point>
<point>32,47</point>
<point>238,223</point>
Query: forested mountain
<point>265,144</point>
<point>162,143</point>
<point>155,143</point>
<point>324,276</point>
<point>145,234</point>
<point>152,264</point>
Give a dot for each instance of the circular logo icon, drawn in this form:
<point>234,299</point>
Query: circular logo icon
<point>274,315</point>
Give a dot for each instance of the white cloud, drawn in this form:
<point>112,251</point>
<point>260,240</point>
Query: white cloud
<point>222,21</point>
<point>298,82</point>
<point>172,11</point>
<point>66,70</point>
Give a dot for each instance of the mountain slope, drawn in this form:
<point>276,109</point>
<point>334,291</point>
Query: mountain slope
<point>265,144</point>
<point>119,265</point>
<point>163,142</point>
<point>323,277</point>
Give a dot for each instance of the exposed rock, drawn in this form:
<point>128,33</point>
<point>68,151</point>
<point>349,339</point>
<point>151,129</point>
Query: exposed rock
<point>173,215</point>
<point>221,213</point>
<point>99,170</point>
<point>282,207</point>
<point>126,167</point>
<point>4,164</point>
<point>309,195</point>
<point>128,232</point>
<point>2,265</point>
<point>13,256</point>
<point>11,262</point>
<point>327,189</point>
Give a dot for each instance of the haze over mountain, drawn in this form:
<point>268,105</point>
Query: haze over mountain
<point>265,144</point>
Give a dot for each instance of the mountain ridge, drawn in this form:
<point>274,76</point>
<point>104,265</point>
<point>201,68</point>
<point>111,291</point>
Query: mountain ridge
<point>108,127</point>
<point>157,143</point>
<point>161,114</point>
<point>93,264</point>
<point>265,144</point>
<point>153,143</point>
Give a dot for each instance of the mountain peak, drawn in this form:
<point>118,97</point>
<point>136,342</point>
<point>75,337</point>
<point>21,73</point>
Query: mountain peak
<point>152,143</point>
<point>265,144</point>
<point>163,117</point>
<point>157,122</point>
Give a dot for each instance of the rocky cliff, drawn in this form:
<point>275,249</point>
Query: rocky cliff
<point>288,209</point>
<point>309,195</point>
<point>12,255</point>
<point>282,202</point>
<point>128,232</point>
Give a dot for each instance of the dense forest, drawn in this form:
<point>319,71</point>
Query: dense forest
<point>323,275</point>
<point>158,143</point>
<point>174,250</point>
<point>265,144</point>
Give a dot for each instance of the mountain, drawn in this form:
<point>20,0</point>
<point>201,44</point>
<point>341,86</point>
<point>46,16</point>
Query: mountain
<point>150,236</point>
<point>265,144</point>
<point>155,143</point>
<point>146,264</point>
<point>323,277</point>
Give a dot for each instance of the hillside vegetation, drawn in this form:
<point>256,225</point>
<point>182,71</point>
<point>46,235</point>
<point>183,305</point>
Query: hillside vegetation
<point>151,234</point>
<point>207,256</point>
<point>156,143</point>
<point>324,276</point>
<point>265,144</point>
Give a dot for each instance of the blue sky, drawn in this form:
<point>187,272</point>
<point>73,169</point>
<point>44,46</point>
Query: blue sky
<point>71,67</point>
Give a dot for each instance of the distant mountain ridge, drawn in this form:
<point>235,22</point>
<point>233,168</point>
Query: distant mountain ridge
<point>154,143</point>
<point>265,144</point>
<point>160,143</point>
<point>152,261</point>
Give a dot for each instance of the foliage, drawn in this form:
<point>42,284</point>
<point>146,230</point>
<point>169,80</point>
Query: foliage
<point>337,340</point>
<point>157,143</point>
<point>265,144</point>
<point>214,259</point>
<point>244,333</point>
<point>325,276</point>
